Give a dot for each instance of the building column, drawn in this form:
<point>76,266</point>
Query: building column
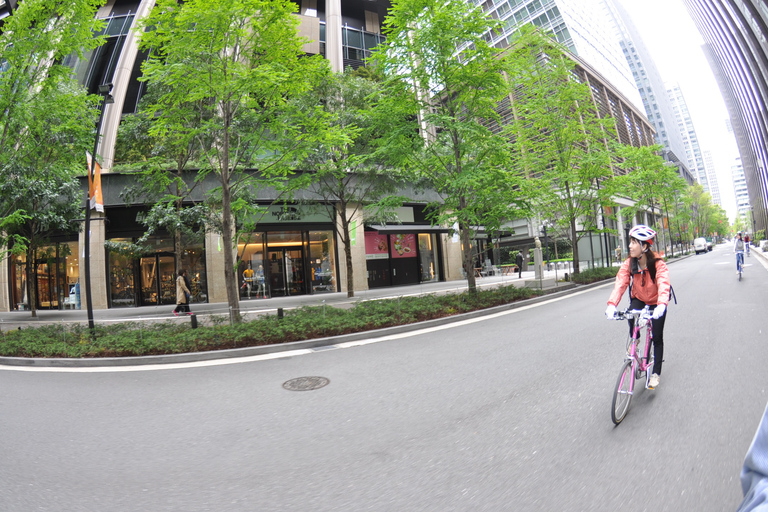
<point>99,274</point>
<point>214,267</point>
<point>5,295</point>
<point>359,264</point>
<point>333,48</point>
<point>452,257</point>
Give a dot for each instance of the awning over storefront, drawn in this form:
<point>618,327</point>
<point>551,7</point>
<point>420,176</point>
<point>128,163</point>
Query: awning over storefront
<point>410,228</point>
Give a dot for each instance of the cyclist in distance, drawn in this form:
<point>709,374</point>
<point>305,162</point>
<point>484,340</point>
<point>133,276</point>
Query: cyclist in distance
<point>647,277</point>
<point>746,242</point>
<point>738,248</point>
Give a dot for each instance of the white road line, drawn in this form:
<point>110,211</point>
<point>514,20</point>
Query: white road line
<point>290,353</point>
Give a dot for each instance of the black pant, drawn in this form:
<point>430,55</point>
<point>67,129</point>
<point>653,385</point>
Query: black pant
<point>182,308</point>
<point>657,328</point>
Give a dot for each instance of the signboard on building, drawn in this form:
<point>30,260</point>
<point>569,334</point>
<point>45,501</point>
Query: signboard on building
<point>376,246</point>
<point>294,214</point>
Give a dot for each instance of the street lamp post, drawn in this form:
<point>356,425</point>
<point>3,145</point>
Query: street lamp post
<point>104,92</point>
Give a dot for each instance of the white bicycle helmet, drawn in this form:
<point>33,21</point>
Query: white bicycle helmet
<point>642,233</point>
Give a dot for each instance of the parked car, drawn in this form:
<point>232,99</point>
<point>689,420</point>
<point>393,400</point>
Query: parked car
<point>700,245</point>
<point>709,243</point>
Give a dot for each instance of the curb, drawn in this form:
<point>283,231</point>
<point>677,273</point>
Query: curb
<point>279,347</point>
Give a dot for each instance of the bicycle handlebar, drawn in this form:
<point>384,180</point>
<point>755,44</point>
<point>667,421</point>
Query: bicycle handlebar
<point>643,314</point>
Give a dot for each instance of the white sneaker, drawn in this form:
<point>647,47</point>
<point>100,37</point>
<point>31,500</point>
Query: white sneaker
<point>653,381</point>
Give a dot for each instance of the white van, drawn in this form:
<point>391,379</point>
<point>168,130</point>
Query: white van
<point>700,245</point>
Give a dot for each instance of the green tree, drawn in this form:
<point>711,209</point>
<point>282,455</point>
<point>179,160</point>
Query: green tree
<point>701,211</point>
<point>46,121</point>
<point>559,139</point>
<point>650,182</point>
<point>441,70</point>
<point>161,161</point>
<point>347,171</point>
<point>243,59</point>
<point>51,203</point>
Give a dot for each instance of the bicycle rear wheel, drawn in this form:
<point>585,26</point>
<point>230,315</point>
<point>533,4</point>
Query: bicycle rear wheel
<point>622,394</point>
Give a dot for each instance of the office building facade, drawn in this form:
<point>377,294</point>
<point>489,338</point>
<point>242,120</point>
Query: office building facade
<point>652,90</point>
<point>687,132</point>
<point>736,33</point>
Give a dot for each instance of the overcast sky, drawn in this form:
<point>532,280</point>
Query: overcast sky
<point>675,43</point>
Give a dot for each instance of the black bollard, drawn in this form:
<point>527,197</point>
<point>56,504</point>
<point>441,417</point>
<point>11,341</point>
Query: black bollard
<point>193,319</point>
<point>279,313</point>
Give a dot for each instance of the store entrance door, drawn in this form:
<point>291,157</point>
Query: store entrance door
<point>49,284</point>
<point>158,279</point>
<point>286,272</point>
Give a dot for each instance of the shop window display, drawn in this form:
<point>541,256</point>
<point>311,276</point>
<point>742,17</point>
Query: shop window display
<point>321,256</point>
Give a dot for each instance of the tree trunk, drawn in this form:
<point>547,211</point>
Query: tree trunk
<point>346,239</point>
<point>469,268</point>
<point>575,243</point>
<point>348,257</point>
<point>227,225</point>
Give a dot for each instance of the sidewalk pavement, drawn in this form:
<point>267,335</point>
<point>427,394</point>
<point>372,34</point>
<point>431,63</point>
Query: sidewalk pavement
<point>252,307</point>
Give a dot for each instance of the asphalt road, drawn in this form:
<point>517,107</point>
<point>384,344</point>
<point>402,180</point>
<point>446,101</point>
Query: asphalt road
<point>505,413</point>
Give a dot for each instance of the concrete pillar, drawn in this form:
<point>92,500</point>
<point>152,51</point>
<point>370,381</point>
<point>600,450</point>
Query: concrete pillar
<point>452,262</point>
<point>214,266</point>
<point>5,296</point>
<point>99,274</point>
<point>333,23</point>
<point>359,264</point>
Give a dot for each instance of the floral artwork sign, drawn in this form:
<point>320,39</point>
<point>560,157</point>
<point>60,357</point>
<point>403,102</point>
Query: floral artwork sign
<point>403,246</point>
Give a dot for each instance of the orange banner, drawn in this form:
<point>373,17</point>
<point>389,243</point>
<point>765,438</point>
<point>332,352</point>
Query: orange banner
<point>94,184</point>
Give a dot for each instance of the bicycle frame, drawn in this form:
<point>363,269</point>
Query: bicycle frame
<point>634,365</point>
<point>643,320</point>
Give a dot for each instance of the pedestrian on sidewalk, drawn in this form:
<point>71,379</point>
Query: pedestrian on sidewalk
<point>182,294</point>
<point>519,263</point>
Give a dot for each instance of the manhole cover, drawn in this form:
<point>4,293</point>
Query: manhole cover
<point>306,383</point>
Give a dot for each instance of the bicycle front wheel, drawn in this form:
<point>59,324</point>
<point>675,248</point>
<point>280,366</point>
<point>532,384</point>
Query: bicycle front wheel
<point>622,394</point>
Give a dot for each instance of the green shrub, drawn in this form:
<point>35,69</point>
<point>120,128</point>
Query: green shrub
<point>139,339</point>
<point>595,274</point>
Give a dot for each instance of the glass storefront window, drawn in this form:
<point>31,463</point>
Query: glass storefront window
<point>121,276</point>
<point>56,271</point>
<point>322,261</point>
<point>151,279</point>
<point>193,259</point>
<point>71,260</point>
<point>428,257</point>
<point>251,272</point>
<point>20,281</point>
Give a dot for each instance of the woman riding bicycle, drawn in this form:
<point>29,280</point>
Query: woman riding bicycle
<point>647,277</point>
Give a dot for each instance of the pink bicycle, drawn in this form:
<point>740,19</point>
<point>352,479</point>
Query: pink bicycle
<point>635,365</point>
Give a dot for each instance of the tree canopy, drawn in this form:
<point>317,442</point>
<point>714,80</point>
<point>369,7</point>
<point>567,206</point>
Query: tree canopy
<point>241,60</point>
<point>440,69</point>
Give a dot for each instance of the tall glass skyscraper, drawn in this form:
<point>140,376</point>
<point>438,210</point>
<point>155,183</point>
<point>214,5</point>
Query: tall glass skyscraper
<point>688,133</point>
<point>736,33</point>
<point>583,26</point>
<point>652,90</point>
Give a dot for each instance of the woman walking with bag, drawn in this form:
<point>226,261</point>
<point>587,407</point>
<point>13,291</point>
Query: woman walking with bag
<point>182,294</point>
